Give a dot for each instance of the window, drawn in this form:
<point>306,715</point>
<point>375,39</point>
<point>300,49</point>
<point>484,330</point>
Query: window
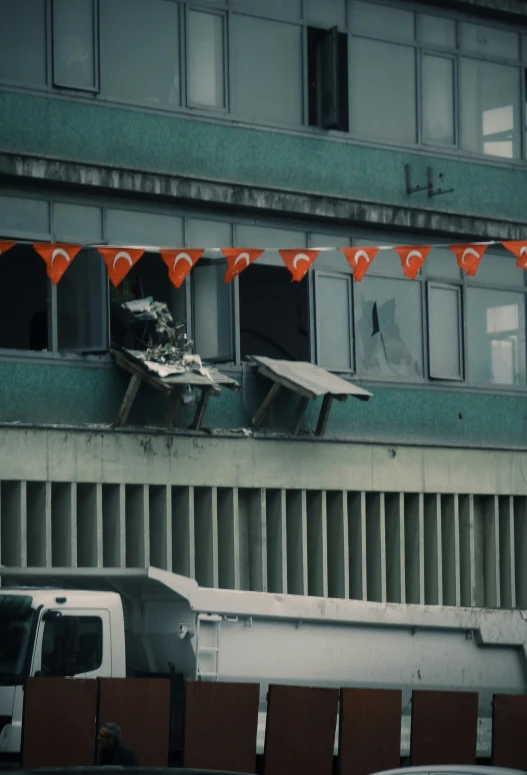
<point>436,31</point>
<point>328,78</point>
<point>140,51</point>
<point>74,44</point>
<point>334,321</point>
<point>496,336</point>
<point>438,100</point>
<point>445,350</point>
<point>382,20</point>
<point>206,60</point>
<point>24,319</point>
<point>23,42</point>
<point>71,645</point>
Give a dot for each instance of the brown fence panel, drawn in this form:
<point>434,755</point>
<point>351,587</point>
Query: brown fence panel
<point>141,707</point>
<point>509,731</point>
<point>300,730</point>
<point>370,730</point>
<point>59,722</point>
<point>221,722</point>
<point>444,727</point>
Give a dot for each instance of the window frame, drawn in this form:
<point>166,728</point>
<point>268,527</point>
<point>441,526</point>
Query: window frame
<point>95,89</point>
<point>313,313</point>
<point>185,98</point>
<point>458,288</point>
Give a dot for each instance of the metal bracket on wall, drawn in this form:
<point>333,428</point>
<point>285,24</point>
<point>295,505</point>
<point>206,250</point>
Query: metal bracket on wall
<point>432,191</point>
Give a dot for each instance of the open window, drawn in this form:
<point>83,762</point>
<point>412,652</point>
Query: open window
<point>328,78</point>
<point>274,314</point>
<point>25,322</point>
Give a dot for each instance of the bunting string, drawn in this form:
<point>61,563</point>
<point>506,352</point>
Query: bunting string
<point>180,261</point>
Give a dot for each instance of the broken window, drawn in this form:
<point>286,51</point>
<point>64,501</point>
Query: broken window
<point>24,319</point>
<point>274,317</point>
<point>327,67</point>
<point>389,328</point>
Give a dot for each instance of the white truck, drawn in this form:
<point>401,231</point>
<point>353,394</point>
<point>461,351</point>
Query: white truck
<point>117,622</point>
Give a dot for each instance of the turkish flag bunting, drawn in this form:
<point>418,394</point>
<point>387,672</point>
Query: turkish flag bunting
<point>469,256</point>
<point>298,261</point>
<point>239,259</point>
<point>413,258</point>
<point>5,246</point>
<point>360,259</point>
<point>57,257</point>
<point>519,249</point>
<point>180,261</point>
<point>119,261</point>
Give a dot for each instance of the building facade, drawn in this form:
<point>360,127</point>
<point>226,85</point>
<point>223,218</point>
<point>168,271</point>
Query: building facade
<point>298,124</point>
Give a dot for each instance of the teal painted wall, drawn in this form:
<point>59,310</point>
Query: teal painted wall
<point>49,394</point>
<point>109,135</point>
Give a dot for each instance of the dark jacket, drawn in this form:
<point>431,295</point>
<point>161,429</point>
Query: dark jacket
<point>121,756</point>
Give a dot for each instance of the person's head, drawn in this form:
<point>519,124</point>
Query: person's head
<point>110,735</point>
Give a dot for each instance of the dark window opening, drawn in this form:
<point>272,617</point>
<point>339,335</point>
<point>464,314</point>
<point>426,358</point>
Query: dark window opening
<point>71,645</point>
<point>327,68</point>
<point>274,314</point>
<point>24,323</point>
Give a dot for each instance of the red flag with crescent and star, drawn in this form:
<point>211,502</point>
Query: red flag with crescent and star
<point>239,259</point>
<point>119,261</point>
<point>57,257</point>
<point>360,259</point>
<point>180,261</point>
<point>413,258</point>
<point>469,256</point>
<point>519,248</point>
<point>6,245</point>
<point>298,261</point>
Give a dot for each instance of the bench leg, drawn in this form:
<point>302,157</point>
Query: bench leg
<point>265,405</point>
<point>324,414</point>
<point>128,400</point>
<point>201,409</point>
<point>175,400</point>
<point>300,412</point>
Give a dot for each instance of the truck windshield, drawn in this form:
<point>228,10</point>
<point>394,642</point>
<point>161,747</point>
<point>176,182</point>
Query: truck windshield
<point>16,618</point>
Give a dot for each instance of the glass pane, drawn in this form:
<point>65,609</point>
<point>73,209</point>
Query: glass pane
<point>382,21</point>
<point>331,259</point>
<point>212,312</point>
<point>438,100</point>
<point>383,84</point>
<point>444,332</point>
<point>135,228</point>
<point>389,328</point>
<point>82,304</point>
<point>23,216</point>
<point>498,267</point>
<point>330,13</point>
<point>282,10</point>
<point>496,336</point>
<point>266,70</point>
<point>333,322</point>
<point>140,51</point>
<point>490,108</point>
<point>79,223</point>
<point>490,41</point>
<point>208,234</point>
<point>265,237</point>
<point>437,31</point>
<point>442,263</point>
<point>73,44</point>
<point>23,42</point>
<point>205,59</point>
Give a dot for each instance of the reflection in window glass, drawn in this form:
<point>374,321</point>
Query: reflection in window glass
<point>383,85</point>
<point>205,58</point>
<point>140,51</point>
<point>438,100</point>
<point>267,70</point>
<point>490,41</point>
<point>381,21</point>
<point>389,328</point>
<point>496,336</point>
<point>23,42</point>
<point>73,44</point>
<point>437,31</point>
<point>490,108</point>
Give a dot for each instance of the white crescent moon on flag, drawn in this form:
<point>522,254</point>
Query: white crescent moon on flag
<point>361,254</point>
<point>59,252</point>
<point>300,257</point>
<point>410,255</point>
<point>523,251</point>
<point>243,257</point>
<point>182,257</point>
<point>468,252</point>
<point>122,254</point>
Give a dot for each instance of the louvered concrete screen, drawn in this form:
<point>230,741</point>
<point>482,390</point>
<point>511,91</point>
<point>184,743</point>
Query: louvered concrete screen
<point>438,549</point>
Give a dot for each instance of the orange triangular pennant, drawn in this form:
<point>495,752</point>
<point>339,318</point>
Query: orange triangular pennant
<point>469,256</point>
<point>57,257</point>
<point>360,259</point>
<point>180,261</point>
<point>298,261</point>
<point>119,261</point>
<point>239,259</point>
<point>519,248</point>
<point>5,245</point>
<point>413,258</point>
